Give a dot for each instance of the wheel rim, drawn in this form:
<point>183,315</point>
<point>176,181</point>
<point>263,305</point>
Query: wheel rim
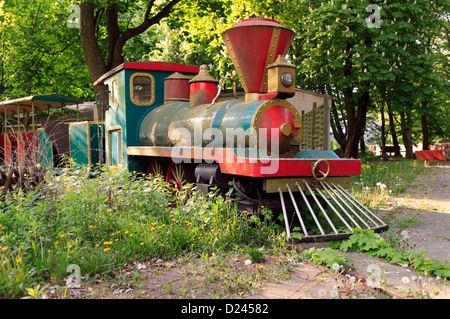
<point>178,175</point>
<point>155,168</point>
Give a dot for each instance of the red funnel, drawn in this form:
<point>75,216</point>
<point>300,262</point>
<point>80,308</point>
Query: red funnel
<point>253,44</point>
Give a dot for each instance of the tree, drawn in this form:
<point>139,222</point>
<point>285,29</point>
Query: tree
<point>101,27</point>
<point>38,53</point>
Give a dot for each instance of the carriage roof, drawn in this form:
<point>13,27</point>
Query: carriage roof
<point>39,102</point>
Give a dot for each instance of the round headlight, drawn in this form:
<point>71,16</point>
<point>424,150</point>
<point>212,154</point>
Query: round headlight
<point>287,79</point>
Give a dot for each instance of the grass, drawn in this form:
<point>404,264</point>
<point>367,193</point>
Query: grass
<point>104,222</point>
<point>379,179</point>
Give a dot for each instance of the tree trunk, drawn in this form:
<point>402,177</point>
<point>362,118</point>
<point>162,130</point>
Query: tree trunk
<point>383,134</point>
<point>356,121</point>
<point>406,124</point>
<point>89,44</point>
<point>425,131</point>
<point>336,126</point>
<point>393,133</point>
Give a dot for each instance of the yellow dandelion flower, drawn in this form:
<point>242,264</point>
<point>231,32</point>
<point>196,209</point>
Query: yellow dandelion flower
<point>5,248</point>
<point>106,249</point>
<point>116,239</point>
<point>261,267</point>
<point>48,250</point>
<point>107,243</point>
<point>62,236</point>
<point>91,226</point>
<point>112,234</point>
<point>141,243</point>
<point>96,245</point>
<point>70,246</point>
<point>18,260</point>
<point>153,228</point>
<point>131,224</point>
<point>131,235</point>
<point>127,232</point>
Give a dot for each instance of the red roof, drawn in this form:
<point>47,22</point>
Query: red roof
<point>150,66</point>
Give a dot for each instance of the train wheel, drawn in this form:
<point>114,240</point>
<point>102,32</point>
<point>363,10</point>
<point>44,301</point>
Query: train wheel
<point>155,168</point>
<point>179,175</point>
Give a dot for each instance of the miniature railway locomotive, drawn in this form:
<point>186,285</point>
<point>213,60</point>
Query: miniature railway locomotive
<point>171,119</point>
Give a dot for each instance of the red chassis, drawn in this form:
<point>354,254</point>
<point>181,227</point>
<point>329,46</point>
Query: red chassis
<point>231,164</point>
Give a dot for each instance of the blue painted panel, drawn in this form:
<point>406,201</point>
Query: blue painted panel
<point>316,154</point>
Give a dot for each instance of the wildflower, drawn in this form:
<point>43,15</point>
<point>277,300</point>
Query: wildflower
<point>18,260</point>
<point>131,235</point>
<point>91,226</point>
<point>335,266</point>
<point>112,234</point>
<point>153,228</point>
<point>405,280</point>
<point>405,234</point>
<point>131,224</point>
<point>142,243</point>
<point>261,267</point>
<point>5,248</point>
<point>117,239</point>
<point>62,236</point>
<point>70,246</point>
<point>48,250</point>
<point>107,243</point>
<point>106,249</point>
<point>334,293</point>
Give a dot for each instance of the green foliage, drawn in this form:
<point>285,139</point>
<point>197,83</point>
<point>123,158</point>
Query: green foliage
<point>327,257</point>
<point>39,54</point>
<point>102,222</point>
<point>374,245</point>
<point>256,255</point>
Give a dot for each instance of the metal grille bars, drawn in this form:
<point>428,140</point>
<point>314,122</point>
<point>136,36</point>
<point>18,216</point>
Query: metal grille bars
<point>341,213</point>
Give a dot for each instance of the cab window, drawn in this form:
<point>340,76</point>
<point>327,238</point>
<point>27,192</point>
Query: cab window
<point>142,87</point>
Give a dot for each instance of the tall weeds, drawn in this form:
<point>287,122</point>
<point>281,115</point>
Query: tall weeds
<point>103,221</point>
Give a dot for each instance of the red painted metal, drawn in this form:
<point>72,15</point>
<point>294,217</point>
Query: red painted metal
<point>161,66</point>
<point>273,118</point>
<point>249,42</point>
<point>149,66</point>
<point>267,96</point>
<point>202,93</point>
<point>230,163</point>
<point>17,148</point>
<point>176,88</point>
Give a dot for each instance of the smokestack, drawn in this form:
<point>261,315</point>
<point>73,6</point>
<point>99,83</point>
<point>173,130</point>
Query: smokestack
<point>253,44</point>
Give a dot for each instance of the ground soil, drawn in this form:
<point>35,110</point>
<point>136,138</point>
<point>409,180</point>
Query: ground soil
<point>423,210</point>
